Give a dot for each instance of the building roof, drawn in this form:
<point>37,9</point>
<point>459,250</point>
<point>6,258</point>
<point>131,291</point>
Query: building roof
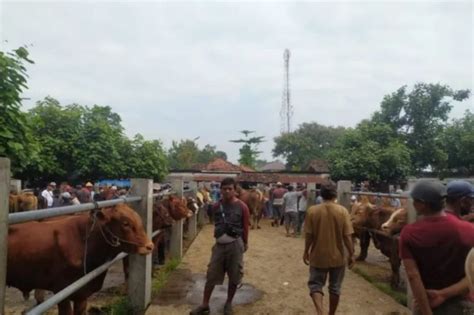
<point>318,166</point>
<point>273,166</point>
<point>221,165</point>
<point>247,169</point>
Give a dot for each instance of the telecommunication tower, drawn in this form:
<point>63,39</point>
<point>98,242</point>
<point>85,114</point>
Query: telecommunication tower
<point>286,111</point>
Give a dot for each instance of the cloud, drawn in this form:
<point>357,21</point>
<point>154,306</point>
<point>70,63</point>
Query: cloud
<point>208,69</point>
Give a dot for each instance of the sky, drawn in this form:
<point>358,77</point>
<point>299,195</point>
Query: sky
<point>181,70</point>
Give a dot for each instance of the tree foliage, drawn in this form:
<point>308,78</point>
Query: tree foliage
<point>419,118</point>
<point>458,140</point>
<point>185,154</point>
<point>310,141</point>
<point>16,139</point>
<point>371,151</point>
<point>249,151</point>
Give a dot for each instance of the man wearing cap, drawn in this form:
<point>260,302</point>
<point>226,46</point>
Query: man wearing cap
<point>459,198</point>
<point>434,248</point>
<point>47,194</point>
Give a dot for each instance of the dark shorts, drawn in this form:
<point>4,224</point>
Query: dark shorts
<point>277,211</point>
<point>291,218</point>
<point>226,259</point>
<point>318,276</point>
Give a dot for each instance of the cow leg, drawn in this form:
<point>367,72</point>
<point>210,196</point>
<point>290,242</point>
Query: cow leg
<point>39,296</point>
<point>364,237</point>
<point>64,308</point>
<point>80,306</point>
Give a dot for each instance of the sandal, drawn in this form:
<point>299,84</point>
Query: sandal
<point>200,310</point>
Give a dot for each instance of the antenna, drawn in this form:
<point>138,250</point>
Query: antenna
<point>286,111</point>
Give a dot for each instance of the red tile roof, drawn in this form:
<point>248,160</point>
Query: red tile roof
<point>221,165</point>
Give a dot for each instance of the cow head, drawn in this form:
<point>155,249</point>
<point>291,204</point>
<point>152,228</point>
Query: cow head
<point>177,207</point>
<point>360,213</point>
<point>122,227</point>
<point>192,205</point>
<point>396,222</point>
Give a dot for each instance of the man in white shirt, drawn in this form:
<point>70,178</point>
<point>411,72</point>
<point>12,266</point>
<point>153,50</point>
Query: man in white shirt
<point>47,194</point>
<point>290,206</point>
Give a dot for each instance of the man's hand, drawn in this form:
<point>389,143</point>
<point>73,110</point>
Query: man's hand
<point>306,258</point>
<point>435,297</point>
<point>350,261</point>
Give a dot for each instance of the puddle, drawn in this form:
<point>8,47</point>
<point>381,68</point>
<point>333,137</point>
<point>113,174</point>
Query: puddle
<point>183,287</point>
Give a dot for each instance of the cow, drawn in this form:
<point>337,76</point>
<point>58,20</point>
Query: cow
<point>255,201</point>
<point>177,207</point>
<point>52,254</point>
<point>367,220</point>
<point>25,201</point>
<point>396,222</point>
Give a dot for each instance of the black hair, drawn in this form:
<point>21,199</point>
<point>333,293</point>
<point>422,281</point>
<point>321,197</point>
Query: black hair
<point>328,190</point>
<point>290,188</point>
<point>229,181</point>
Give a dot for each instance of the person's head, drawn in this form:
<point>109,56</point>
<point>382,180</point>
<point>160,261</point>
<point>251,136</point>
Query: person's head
<point>329,190</point>
<point>66,195</point>
<point>279,185</point>
<point>291,188</point>
<point>353,198</point>
<point>460,196</point>
<point>428,197</point>
<point>228,187</point>
<point>89,185</point>
<point>51,186</point>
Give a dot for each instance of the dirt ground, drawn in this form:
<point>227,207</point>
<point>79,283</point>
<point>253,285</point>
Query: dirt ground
<point>275,271</point>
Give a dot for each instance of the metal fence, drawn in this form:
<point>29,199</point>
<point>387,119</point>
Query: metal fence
<point>140,266</point>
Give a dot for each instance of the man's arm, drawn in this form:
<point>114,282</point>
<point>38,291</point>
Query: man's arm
<point>350,249</point>
<point>438,297</point>
<point>308,240</point>
<point>417,286</point>
<point>245,224</point>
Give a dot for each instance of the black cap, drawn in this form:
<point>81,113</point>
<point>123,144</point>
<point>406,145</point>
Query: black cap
<point>428,191</point>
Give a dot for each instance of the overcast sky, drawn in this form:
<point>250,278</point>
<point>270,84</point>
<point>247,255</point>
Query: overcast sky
<point>182,70</point>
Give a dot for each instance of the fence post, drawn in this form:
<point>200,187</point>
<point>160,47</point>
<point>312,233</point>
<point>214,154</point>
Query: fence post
<point>176,242</point>
<point>15,185</point>
<point>192,226</point>
<point>139,281</point>
<point>311,193</point>
<point>4,191</point>
<point>343,190</point>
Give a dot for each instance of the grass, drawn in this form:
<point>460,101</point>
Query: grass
<point>400,297</point>
<point>122,305</point>
<point>162,275</point>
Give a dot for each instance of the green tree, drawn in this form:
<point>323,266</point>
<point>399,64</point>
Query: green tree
<point>209,153</point>
<point>458,139</point>
<point>419,117</point>
<point>16,138</point>
<point>310,141</point>
<point>249,151</point>
<point>147,159</point>
<point>371,151</point>
<point>183,154</point>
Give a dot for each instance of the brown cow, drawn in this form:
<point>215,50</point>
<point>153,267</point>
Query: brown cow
<point>396,222</point>
<point>366,216</point>
<point>177,207</point>
<point>255,201</point>
<point>50,255</point>
<point>25,201</point>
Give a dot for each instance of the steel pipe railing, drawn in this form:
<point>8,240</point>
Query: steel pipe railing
<point>363,193</point>
<point>20,217</point>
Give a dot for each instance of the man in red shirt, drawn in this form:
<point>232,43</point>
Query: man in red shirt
<point>434,248</point>
<point>231,220</point>
<point>277,197</point>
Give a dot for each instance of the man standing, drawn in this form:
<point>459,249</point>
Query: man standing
<point>290,208</point>
<point>277,205</point>
<point>459,199</point>
<point>302,207</point>
<point>327,229</point>
<point>231,217</point>
<point>434,249</point>
<point>47,194</point>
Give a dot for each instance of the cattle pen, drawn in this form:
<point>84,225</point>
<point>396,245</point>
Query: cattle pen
<point>140,270</point>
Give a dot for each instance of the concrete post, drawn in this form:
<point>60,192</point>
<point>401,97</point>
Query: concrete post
<point>343,193</point>
<point>139,281</point>
<point>192,226</point>
<point>311,189</point>
<point>15,185</point>
<point>4,192</point>
<point>176,242</point>
<point>202,216</point>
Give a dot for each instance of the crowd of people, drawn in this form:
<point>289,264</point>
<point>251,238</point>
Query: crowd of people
<point>66,195</point>
<point>437,250</point>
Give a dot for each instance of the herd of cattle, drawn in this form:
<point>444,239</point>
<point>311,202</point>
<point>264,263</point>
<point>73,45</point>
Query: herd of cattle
<point>52,253</point>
